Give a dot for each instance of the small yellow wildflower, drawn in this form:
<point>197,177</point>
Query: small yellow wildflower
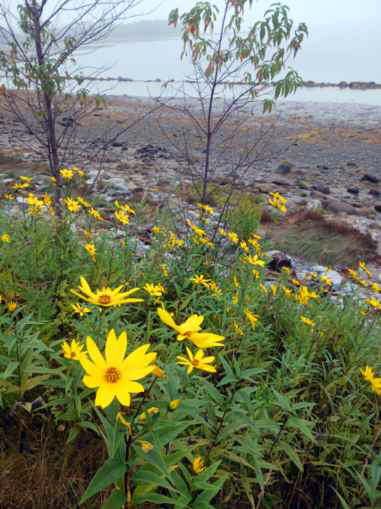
<point>237,329</point>
<point>121,419</point>
<point>154,290</point>
<point>369,376</point>
<point>255,273</point>
<point>91,249</point>
<point>25,179</point>
<point>95,214</point>
<point>304,295</point>
<point>17,185</point>
<point>174,404</point>
<point>278,201</point>
<point>198,465</point>
<point>233,237</point>
<point>121,216</point>
<point>156,230</point>
<point>5,238</point>
<point>198,231</point>
<point>374,303</point>
<point>173,241</point>
<point>190,329</point>
<point>362,265</point>
<point>254,260</point>
<point>72,351</point>
<point>146,446</point>
<point>324,279</point>
<point>214,288</point>
<point>105,297</point>
<point>83,202</point>
<point>307,321</point>
<point>72,205</point>
<point>253,319</point>
<point>375,288</point>
<point>198,361</point>
<point>80,310</point>
<point>164,270</point>
<point>153,410</point>
<point>205,208</point>
<point>200,280</point>
<point>66,174</point>
<point>160,373</point>
<point>243,245</point>
<point>11,306</point>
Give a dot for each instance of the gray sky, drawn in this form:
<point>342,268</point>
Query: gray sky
<point>314,12</point>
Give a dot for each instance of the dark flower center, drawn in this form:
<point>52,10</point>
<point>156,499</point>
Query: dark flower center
<point>112,375</point>
<point>104,299</point>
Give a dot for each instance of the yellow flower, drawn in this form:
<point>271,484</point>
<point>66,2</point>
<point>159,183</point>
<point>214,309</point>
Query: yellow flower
<point>156,229</point>
<point>146,446</point>
<point>11,305</point>
<point>198,465</point>
<point>47,200</point>
<point>287,291</point>
<point>277,201</point>
<point>154,290</point>
<point>25,179</point>
<point>105,297</point>
<point>375,288</point>
<point>121,419</point>
<point>237,329</point>
<point>173,241</point>
<point>190,330</point>
<point>160,373</point>
<point>153,410</point>
<point>255,273</point>
<point>90,248</point>
<point>80,310</point>
<point>253,319</point>
<point>214,288</point>
<point>5,238</point>
<point>66,174</point>
<point>307,321</point>
<point>304,295</point>
<point>243,245</point>
<point>164,270</point>
<point>254,260</point>
<point>73,350</point>
<point>126,208</point>
<point>114,375</point>
<point>17,185</point>
<point>95,214</point>
<point>83,202</point>
<point>233,237</point>
<point>72,205</point>
<point>363,266</point>
<point>200,280</point>
<point>370,377</point>
<point>198,361</point>
<point>374,303</point>
<point>324,279</point>
<point>174,403</point>
<point>205,208</point>
<point>198,231</point>
<point>121,216</point>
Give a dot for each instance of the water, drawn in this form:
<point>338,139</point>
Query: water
<point>160,59</point>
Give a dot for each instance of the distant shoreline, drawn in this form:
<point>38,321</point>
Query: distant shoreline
<point>351,85</point>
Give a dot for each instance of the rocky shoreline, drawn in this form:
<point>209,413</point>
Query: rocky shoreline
<point>322,156</point>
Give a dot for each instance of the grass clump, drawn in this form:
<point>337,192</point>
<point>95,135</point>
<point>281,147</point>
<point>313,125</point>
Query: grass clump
<point>193,381</point>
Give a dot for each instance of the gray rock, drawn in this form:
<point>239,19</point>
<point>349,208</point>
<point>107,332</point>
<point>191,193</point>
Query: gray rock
<point>368,177</point>
<point>284,168</point>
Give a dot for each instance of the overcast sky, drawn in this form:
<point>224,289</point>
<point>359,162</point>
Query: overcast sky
<point>313,12</point>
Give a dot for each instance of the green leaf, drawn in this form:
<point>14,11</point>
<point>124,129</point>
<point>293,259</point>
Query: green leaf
<point>116,500</point>
<point>291,453</point>
<point>110,472</point>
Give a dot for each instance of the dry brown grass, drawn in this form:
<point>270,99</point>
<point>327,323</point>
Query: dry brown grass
<point>53,475</point>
